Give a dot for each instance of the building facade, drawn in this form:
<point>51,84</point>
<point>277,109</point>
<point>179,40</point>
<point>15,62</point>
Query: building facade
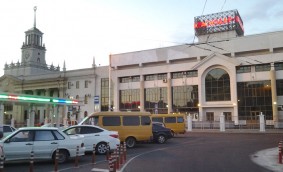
<point>224,72</point>
<point>32,76</point>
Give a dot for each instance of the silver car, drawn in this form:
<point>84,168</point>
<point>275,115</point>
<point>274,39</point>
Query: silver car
<point>43,141</point>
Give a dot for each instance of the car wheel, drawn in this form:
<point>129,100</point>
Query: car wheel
<point>172,132</point>
<point>130,142</point>
<point>161,139</point>
<point>63,156</point>
<point>101,148</point>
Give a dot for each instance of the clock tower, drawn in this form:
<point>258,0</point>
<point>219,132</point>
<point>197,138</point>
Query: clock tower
<point>33,50</point>
<point>33,60</point>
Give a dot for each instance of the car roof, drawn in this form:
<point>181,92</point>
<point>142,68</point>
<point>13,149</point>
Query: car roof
<point>95,126</point>
<point>38,128</point>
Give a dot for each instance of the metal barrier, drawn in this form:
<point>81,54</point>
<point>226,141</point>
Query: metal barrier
<point>215,125</point>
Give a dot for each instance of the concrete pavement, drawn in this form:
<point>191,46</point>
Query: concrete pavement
<point>268,159</point>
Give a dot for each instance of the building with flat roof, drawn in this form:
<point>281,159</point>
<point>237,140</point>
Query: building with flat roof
<point>224,72</point>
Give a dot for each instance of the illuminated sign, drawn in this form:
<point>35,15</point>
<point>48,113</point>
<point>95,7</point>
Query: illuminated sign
<point>35,99</point>
<point>219,22</point>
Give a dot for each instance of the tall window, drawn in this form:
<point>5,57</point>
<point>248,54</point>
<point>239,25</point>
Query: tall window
<point>129,99</point>
<point>217,85</point>
<point>86,84</point>
<point>77,84</point>
<point>105,94</point>
<point>86,99</point>
<point>185,98</point>
<point>69,85</point>
<point>156,100</point>
<point>279,87</point>
<point>253,98</point>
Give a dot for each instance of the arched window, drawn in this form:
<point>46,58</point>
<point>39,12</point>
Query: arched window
<point>217,85</point>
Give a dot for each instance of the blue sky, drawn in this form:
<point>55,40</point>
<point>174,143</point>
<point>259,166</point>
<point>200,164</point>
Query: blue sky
<point>75,31</point>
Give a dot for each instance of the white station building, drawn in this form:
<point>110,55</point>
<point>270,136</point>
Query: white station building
<point>224,72</point>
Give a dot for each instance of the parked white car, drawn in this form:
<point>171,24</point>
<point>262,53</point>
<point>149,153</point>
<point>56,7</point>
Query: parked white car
<point>61,126</point>
<point>7,129</point>
<point>43,141</point>
<point>95,135</point>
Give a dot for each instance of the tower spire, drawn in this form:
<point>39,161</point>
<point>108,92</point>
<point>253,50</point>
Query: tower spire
<point>34,24</point>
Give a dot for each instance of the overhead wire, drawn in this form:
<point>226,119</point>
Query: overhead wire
<point>201,14</point>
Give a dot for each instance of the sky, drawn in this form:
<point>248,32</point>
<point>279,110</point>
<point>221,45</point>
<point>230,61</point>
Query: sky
<point>76,31</point>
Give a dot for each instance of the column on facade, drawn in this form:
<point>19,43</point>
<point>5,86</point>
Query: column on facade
<point>47,106</point>
<point>32,111</point>
<point>1,113</point>
<point>65,115</point>
<point>52,114</point>
<point>58,110</point>
<point>30,122</point>
<point>274,94</point>
<point>169,94</point>
<point>61,109</point>
<point>116,95</point>
<point>142,109</point>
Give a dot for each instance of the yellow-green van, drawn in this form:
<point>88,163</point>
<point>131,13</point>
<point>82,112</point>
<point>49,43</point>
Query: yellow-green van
<point>132,127</point>
<point>176,122</point>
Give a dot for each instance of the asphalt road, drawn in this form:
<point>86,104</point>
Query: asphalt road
<point>195,152</point>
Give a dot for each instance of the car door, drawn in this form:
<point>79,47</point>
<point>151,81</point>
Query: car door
<point>91,136</point>
<point>44,144</point>
<point>19,145</point>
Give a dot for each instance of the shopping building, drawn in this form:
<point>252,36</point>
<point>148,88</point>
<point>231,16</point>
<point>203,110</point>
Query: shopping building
<point>224,72</point>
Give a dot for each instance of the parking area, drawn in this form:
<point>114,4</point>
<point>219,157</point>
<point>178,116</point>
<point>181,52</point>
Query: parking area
<point>194,151</point>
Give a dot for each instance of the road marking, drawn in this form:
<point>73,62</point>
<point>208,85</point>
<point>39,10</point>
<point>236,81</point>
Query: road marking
<point>125,165</point>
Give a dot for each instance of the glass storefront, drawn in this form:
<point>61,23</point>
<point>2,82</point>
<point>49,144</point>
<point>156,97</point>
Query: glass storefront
<point>129,100</point>
<point>156,100</point>
<point>254,98</point>
<point>185,99</point>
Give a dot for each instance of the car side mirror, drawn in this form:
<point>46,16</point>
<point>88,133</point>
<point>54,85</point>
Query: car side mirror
<point>1,134</point>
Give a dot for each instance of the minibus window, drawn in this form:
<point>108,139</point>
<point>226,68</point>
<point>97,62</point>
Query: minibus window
<point>170,119</point>
<point>180,119</point>
<point>111,121</point>
<point>159,119</point>
<point>91,120</point>
<point>131,120</point>
<point>145,120</point>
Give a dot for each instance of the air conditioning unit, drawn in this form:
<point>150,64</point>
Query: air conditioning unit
<point>164,80</point>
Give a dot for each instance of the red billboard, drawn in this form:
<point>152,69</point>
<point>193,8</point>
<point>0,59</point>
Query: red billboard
<point>219,22</point>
